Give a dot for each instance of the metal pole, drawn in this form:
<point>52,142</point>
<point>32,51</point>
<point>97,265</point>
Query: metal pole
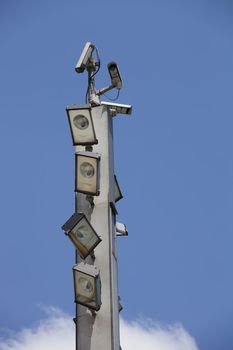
<point>100,330</point>
<point>82,320</point>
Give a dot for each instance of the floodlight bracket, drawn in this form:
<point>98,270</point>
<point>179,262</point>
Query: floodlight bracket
<point>113,208</point>
<point>89,148</point>
<point>90,199</point>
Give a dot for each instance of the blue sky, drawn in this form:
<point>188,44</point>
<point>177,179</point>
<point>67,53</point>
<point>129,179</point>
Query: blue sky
<point>173,157</point>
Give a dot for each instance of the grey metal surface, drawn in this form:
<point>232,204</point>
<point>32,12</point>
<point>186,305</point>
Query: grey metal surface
<point>100,330</point>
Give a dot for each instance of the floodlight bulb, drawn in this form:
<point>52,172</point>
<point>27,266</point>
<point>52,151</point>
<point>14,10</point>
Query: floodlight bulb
<point>87,170</point>
<point>83,233</point>
<point>81,122</point>
<point>86,286</point>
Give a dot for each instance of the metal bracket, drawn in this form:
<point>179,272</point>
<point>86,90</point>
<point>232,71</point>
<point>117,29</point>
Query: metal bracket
<point>113,207</point>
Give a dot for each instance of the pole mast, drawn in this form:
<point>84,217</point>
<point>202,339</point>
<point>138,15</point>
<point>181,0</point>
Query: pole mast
<point>99,329</point>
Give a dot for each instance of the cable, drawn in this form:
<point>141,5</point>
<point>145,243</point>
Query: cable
<point>98,64</point>
<point>88,88</point>
<point>113,99</point>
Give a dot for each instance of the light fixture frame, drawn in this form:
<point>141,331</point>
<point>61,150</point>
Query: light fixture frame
<point>72,130</point>
<point>68,228</point>
<point>91,271</point>
<point>91,155</point>
<point>116,186</point>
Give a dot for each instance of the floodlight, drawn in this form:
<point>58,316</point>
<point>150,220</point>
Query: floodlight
<point>115,75</point>
<point>81,233</point>
<point>87,286</point>
<point>81,125</point>
<point>118,194</point>
<point>121,229</point>
<point>85,57</point>
<point>117,108</point>
<point>87,173</point>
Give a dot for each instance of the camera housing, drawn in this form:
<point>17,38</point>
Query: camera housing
<point>115,75</point>
<point>117,108</point>
<point>85,57</point>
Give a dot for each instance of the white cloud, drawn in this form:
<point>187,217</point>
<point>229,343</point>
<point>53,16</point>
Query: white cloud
<point>54,332</point>
<point>57,332</point>
<point>149,336</point>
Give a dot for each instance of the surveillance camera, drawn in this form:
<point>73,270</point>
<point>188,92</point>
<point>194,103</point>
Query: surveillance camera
<point>117,108</point>
<point>121,229</point>
<point>84,58</point>
<point>115,75</point>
